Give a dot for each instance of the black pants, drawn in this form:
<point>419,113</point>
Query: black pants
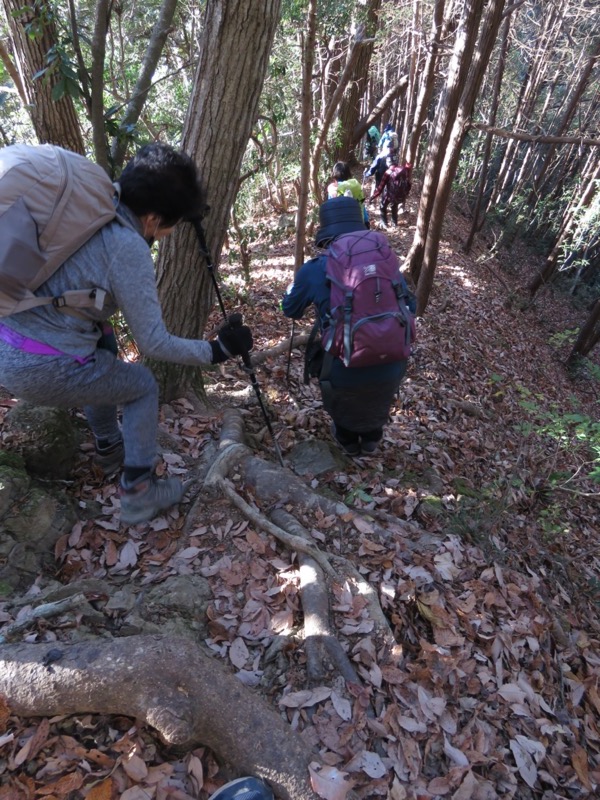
<point>345,436</point>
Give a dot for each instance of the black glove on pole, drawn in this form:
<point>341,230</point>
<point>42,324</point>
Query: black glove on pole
<point>232,324</point>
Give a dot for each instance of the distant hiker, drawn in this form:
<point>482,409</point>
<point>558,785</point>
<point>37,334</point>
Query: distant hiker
<point>389,144</point>
<point>343,184</point>
<point>376,169</point>
<point>393,190</point>
<point>365,315</point>
<point>372,142</point>
<point>52,358</point>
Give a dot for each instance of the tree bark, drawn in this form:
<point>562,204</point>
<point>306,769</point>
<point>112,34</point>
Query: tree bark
<point>588,335</point>
<point>97,84</point>
<point>136,103</point>
<point>487,148</point>
<point>329,115</point>
<point>349,112</point>
<point>222,110</point>
<point>476,50</point>
<point>54,121</point>
<point>170,684</point>
<point>446,114</point>
<point>308,62</point>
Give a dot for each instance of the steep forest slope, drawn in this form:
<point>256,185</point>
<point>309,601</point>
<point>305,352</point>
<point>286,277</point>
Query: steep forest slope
<point>489,577</point>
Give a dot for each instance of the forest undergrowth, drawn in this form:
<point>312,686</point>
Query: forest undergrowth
<point>487,481</point>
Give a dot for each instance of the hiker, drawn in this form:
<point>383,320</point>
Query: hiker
<point>377,170</point>
<point>389,144</point>
<point>372,142</point>
<point>343,183</point>
<point>393,190</point>
<point>358,399</point>
<point>52,358</point>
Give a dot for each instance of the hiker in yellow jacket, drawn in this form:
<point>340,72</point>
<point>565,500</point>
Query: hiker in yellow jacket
<point>344,185</point>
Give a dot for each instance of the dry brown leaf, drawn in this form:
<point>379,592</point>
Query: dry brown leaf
<point>63,786</point>
<point>4,713</point>
<point>579,759</point>
<point>101,791</point>
<point>329,783</point>
<point>134,767</point>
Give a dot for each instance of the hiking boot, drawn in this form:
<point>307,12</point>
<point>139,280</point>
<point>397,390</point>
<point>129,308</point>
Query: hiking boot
<point>243,789</point>
<point>350,448</point>
<point>145,497</point>
<point>110,459</point>
<point>367,448</point>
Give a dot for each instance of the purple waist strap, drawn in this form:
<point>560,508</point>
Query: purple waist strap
<point>27,345</point>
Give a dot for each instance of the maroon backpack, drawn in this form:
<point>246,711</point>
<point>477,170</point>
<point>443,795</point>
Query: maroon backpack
<point>398,185</point>
<point>370,321</point>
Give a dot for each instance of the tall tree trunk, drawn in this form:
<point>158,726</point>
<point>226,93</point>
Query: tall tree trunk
<point>54,121</point>
<point>487,148</point>
<point>349,112</point>
<point>329,114</point>
<point>476,50</point>
<point>446,113</point>
<point>308,61</point>
<point>562,126</point>
<point>531,88</point>
<point>589,335</point>
<point>544,276</point>
<point>97,84</point>
<point>223,107</point>
<point>427,81</point>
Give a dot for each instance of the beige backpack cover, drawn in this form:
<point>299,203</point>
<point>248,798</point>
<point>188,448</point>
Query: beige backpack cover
<point>51,202</point>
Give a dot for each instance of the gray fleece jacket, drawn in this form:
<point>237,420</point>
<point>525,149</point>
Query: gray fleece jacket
<point>118,260</point>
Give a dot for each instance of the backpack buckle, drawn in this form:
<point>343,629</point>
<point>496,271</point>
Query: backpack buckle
<point>59,302</point>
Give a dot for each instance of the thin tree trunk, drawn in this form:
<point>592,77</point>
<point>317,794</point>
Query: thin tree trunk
<point>487,148</point>
<point>427,81</point>
<point>544,276</point>
<point>588,335</point>
<point>54,121</point>
<point>97,84</point>
<point>476,51</point>
<point>349,112</point>
<point>136,103</point>
<point>328,117</point>
<point>308,48</point>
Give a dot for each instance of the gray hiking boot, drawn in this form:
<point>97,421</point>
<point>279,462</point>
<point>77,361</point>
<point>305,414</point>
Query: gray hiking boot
<point>147,496</point>
<point>110,459</point>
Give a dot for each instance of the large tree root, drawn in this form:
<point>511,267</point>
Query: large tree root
<point>272,487</point>
<point>170,684</point>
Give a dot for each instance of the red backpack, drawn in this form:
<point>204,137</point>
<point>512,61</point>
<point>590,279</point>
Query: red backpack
<point>398,184</point>
<point>370,318</point>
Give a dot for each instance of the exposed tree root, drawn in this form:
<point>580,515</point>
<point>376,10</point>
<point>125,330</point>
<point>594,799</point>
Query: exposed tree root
<point>278,349</point>
<point>318,633</point>
<point>266,481</point>
<point>169,683</point>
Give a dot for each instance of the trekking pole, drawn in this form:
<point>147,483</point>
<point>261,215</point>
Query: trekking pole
<point>235,320</point>
<point>205,252</point>
<point>289,360</point>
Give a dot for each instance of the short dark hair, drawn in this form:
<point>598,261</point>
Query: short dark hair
<point>164,181</point>
<point>341,171</point>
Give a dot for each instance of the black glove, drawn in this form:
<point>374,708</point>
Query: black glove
<point>233,339</point>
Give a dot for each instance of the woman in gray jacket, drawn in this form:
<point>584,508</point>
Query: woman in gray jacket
<point>52,358</point>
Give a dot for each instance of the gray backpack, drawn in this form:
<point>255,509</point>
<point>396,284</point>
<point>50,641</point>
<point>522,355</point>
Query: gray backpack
<point>51,202</point>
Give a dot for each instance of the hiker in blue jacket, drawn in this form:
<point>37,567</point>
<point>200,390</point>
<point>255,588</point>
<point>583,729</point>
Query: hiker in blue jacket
<point>358,399</point>
<point>51,358</point>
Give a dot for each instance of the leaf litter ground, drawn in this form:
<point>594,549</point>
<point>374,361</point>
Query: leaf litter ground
<point>490,578</point>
